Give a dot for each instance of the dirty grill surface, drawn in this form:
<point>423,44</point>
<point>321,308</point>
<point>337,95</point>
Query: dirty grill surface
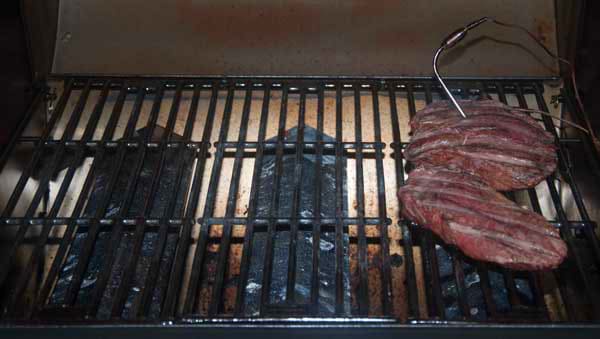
<point>150,200</point>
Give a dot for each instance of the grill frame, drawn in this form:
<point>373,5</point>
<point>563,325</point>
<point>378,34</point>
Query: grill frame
<point>410,232</point>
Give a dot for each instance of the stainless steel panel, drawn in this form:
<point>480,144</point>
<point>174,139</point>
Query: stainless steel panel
<point>352,37</point>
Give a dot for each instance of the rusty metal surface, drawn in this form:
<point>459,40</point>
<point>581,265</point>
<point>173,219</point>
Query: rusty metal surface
<point>356,37</point>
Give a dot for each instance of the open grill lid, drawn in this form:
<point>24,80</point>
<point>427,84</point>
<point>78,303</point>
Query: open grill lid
<point>360,38</point>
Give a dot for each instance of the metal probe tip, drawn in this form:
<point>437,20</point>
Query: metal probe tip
<point>450,41</point>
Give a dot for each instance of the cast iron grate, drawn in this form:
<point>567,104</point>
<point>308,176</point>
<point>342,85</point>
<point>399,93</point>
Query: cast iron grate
<point>148,200</point>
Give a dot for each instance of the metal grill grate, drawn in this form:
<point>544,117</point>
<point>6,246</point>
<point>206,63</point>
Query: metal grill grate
<point>204,199</point>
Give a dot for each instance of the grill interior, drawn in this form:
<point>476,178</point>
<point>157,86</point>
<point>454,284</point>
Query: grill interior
<point>264,199</point>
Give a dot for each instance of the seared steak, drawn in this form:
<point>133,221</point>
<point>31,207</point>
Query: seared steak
<point>466,212</point>
<point>506,148</point>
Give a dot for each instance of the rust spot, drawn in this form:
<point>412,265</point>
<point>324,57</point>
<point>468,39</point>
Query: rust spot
<point>366,7</point>
<point>543,30</point>
<point>267,23</point>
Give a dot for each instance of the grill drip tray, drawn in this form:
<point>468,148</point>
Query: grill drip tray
<point>258,201</point>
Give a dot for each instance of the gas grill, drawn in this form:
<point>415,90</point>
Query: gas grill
<point>229,205</point>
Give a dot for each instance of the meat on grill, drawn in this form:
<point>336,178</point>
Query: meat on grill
<point>506,148</point>
<point>485,225</point>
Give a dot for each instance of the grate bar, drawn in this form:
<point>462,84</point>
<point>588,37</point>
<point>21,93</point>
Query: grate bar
<point>38,100</point>
<point>305,145</point>
<point>566,228</point>
<point>407,243</point>
<point>432,276</point>
<point>141,308</point>
<point>484,277</point>
<point>461,289</point>
<point>253,206</point>
<point>533,197</point>
<point>124,285</point>
<point>292,250</point>
<point>386,276</point>
<point>316,233</point>
<point>339,205</point>
<point>538,294</point>
<point>590,236</point>
<point>68,234</point>
<point>117,232</point>
<point>35,159</point>
<point>588,149</point>
<point>36,253</point>
<point>168,308</point>
<point>511,288</point>
<point>248,145</point>
<point>54,165</point>
<point>363,269</point>
<point>274,206</point>
<point>520,297</point>
<point>259,221</point>
<point>90,240</point>
<point>199,253</point>
<point>429,256</point>
<point>565,278</point>
<point>482,267</point>
<point>84,223</point>
<point>509,280</point>
<point>533,277</point>
<point>20,186</point>
<point>224,245</point>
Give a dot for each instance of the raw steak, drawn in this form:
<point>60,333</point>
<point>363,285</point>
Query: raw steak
<point>506,148</point>
<point>466,212</point>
